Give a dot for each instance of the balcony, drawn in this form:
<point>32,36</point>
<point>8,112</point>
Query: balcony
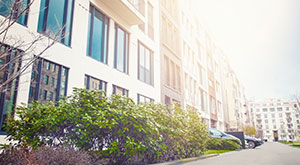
<point>132,11</point>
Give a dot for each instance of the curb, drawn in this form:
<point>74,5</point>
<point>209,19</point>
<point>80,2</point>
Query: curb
<point>176,162</point>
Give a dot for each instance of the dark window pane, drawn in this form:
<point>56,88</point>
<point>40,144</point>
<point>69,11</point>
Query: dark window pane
<point>120,52</point>
<point>58,82</point>
<point>97,36</point>
<point>55,15</point>
<point>42,16</point>
<point>15,8</point>
<point>145,65</point>
<point>57,18</point>
<point>68,23</point>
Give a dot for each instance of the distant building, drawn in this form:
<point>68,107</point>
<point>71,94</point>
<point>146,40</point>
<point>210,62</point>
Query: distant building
<point>276,119</point>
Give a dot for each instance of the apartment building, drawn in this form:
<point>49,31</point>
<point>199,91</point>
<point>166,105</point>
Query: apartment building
<point>277,119</point>
<point>110,45</point>
<point>170,55</point>
<point>236,109</point>
<point>147,50</point>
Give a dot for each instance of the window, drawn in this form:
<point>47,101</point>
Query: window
<point>9,93</point>
<point>167,100</point>
<point>44,95</point>
<point>265,110</point>
<point>145,64</point>
<point>142,98</point>
<point>212,105</point>
<point>167,70</point>
<point>46,91</point>
<point>178,78</point>
<point>56,18</point>
<point>272,109</point>
<point>287,108</point>
<point>15,8</point>
<point>53,67</point>
<point>280,114</point>
<point>150,21</point>
<point>266,121</point>
<point>97,43</point>
<point>173,75</point>
<point>48,65</point>
<point>202,101</point>
<point>121,49</point>
<point>257,110</point>
<point>279,109</point>
<point>120,91</point>
<point>46,79</point>
<point>266,115</point>
<point>273,115</point>
<point>92,83</point>
<point>200,74</point>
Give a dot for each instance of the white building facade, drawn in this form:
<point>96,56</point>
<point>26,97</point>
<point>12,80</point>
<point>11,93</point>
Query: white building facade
<point>104,49</point>
<point>277,119</point>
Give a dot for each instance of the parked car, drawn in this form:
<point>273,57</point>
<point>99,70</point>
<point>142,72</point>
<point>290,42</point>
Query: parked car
<point>251,142</point>
<point>214,133</point>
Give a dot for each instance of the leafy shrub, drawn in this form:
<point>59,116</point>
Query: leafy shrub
<point>112,127</point>
<point>222,144</point>
<point>229,144</point>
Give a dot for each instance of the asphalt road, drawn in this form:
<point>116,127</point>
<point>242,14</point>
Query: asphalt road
<point>270,153</point>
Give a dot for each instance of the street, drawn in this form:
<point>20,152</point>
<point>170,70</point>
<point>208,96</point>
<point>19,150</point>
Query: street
<point>268,154</point>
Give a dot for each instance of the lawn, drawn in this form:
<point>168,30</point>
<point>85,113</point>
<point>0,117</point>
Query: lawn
<point>208,152</point>
<point>293,144</point>
<point>283,142</point>
<point>296,145</point>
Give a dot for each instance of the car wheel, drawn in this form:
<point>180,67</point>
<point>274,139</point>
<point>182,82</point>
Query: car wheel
<point>251,145</point>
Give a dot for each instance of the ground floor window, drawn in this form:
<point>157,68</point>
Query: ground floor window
<point>92,83</point>
<point>10,60</point>
<point>48,81</point>
<point>142,98</point>
<point>120,91</point>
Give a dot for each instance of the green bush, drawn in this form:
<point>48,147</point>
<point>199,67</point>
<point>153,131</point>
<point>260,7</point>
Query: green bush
<point>113,128</point>
<point>222,144</point>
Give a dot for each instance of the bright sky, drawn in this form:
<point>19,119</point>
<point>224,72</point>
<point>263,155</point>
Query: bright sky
<point>262,41</point>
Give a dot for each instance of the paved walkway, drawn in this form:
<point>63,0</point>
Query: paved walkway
<point>270,153</point>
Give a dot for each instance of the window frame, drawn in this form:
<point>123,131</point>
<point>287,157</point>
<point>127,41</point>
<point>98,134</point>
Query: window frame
<point>87,86</point>
<point>91,31</point>
<point>63,32</point>
<point>126,47</point>
<point>38,90</point>
<point>151,64</point>
<point>139,99</point>
<point>125,92</point>
<point>16,17</point>
<point>16,87</point>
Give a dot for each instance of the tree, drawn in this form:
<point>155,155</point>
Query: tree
<point>249,130</point>
<point>19,52</point>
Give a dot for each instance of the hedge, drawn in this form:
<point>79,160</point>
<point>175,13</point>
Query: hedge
<point>111,128</point>
<point>222,144</point>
